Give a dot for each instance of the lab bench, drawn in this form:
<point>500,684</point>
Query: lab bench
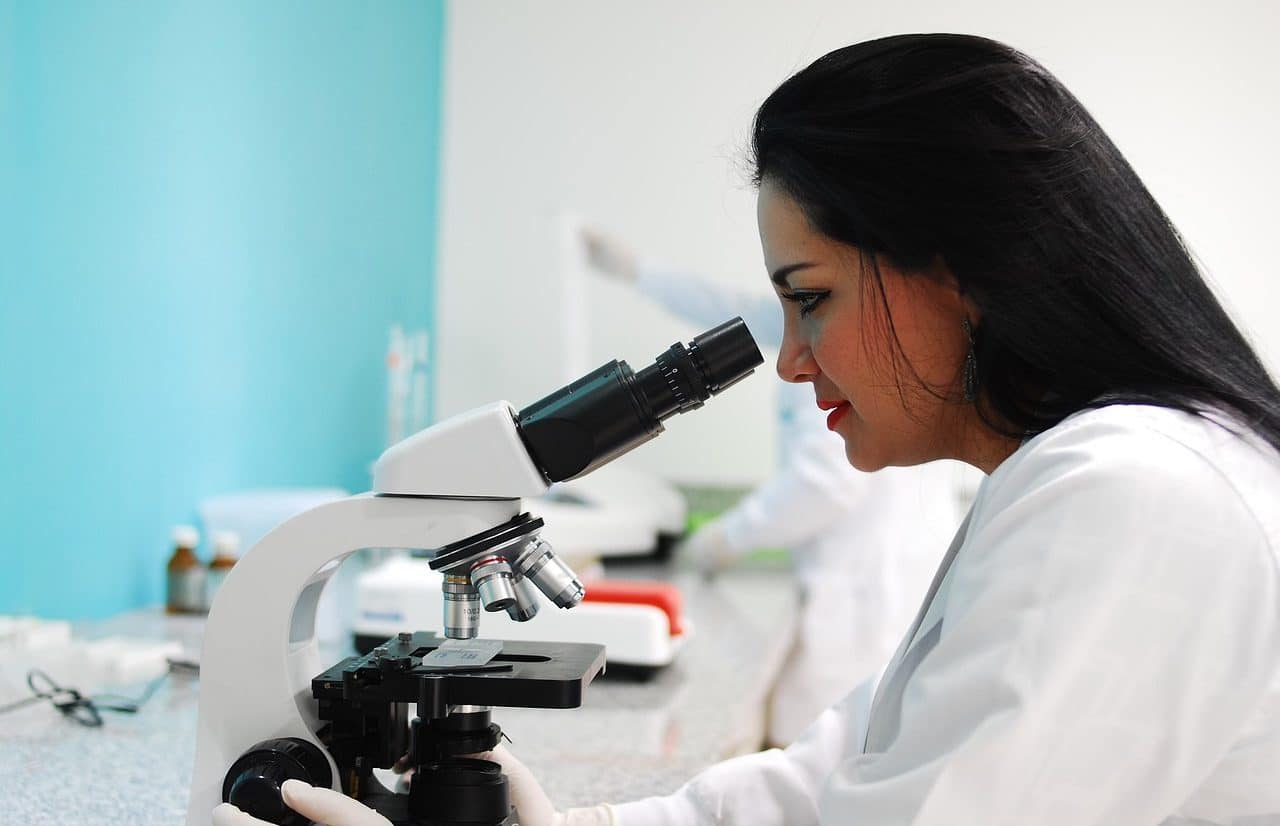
<point>630,739</point>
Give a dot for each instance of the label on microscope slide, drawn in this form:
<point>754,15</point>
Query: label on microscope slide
<point>455,653</point>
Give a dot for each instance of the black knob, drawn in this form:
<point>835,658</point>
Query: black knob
<point>253,782</point>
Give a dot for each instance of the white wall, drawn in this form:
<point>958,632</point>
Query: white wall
<point>636,114</point>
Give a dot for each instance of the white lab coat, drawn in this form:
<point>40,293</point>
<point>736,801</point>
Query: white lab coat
<point>864,546</point>
<point>1101,647</point>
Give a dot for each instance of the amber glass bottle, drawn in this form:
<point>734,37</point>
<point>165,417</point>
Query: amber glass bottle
<point>226,549</point>
<point>185,574</point>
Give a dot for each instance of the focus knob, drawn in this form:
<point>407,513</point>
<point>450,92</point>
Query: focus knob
<point>253,782</point>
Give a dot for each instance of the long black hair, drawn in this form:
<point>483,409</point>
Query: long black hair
<point>952,147</point>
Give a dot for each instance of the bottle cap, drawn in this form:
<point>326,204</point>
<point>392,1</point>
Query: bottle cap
<point>185,536</point>
<point>226,543</point>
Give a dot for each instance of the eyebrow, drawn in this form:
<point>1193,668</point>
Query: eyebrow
<point>781,274</point>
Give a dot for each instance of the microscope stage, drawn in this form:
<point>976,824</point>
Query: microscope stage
<point>522,675</point>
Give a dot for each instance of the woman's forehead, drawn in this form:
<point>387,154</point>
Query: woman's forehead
<point>785,230</point>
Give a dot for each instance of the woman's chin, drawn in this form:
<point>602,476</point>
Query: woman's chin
<point>861,459</point>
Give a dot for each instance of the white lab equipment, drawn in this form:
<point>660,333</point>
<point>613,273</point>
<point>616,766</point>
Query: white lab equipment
<point>863,546</point>
<point>404,592</point>
<point>617,511</point>
<point>48,645</point>
<point>455,490</point>
<point>1101,646</point>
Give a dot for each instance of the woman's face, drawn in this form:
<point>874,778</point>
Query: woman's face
<point>893,402</point>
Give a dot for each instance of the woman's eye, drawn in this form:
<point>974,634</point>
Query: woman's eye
<point>808,301</point>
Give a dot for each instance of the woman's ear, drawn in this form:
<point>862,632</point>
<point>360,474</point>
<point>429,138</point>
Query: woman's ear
<point>950,291</point>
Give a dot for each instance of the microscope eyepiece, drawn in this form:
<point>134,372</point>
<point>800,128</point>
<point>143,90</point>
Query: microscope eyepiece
<point>726,354</point>
<point>612,409</point>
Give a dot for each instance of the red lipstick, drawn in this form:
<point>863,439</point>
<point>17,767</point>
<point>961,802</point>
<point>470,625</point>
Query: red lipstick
<point>837,408</point>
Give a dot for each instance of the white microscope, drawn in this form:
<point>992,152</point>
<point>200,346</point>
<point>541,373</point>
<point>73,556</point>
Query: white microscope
<point>270,712</point>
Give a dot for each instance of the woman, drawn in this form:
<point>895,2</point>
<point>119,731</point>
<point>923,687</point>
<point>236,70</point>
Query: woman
<point>863,547</point>
<point>970,269</point>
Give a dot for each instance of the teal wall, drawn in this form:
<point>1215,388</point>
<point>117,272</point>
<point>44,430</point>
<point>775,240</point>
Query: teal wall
<point>210,215</point>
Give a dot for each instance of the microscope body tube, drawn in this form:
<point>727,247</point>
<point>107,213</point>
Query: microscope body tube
<point>613,409</point>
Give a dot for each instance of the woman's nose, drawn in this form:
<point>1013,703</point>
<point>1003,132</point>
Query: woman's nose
<point>795,361</point>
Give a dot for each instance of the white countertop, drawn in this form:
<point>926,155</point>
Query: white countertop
<point>628,740</point>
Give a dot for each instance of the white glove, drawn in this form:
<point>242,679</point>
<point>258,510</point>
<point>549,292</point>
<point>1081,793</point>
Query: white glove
<point>533,807</point>
<point>608,256</point>
<point>323,806</point>
<point>707,549</point>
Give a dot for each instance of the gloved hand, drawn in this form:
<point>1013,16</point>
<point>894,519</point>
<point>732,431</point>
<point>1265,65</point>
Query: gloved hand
<point>324,806</point>
<point>707,549</point>
<point>531,802</point>
<point>609,256</point>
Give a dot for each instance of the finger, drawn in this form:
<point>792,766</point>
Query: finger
<point>404,771</point>
<point>500,755</point>
<point>227,815</point>
<point>328,806</point>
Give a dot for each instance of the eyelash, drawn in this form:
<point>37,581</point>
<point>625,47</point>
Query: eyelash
<point>808,301</point>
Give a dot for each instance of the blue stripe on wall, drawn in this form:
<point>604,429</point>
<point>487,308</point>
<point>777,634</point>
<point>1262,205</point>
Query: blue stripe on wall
<point>212,214</point>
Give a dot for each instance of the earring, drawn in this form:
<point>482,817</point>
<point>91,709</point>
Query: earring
<point>970,379</point>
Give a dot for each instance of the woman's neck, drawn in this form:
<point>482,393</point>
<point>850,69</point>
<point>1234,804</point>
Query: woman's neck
<point>982,447</point>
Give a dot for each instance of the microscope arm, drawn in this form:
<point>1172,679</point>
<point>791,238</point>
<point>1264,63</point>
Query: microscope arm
<point>260,651</point>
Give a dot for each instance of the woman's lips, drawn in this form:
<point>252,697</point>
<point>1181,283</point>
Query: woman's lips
<point>834,417</point>
<point>838,409</point>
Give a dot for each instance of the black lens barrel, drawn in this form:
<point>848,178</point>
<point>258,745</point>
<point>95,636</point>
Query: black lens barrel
<point>611,410</point>
<point>727,354</point>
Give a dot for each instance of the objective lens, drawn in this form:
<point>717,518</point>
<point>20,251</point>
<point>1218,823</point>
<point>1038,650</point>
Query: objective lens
<point>611,410</point>
<point>539,564</point>
<point>525,607</point>
<point>461,608</point>
<point>491,577</point>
